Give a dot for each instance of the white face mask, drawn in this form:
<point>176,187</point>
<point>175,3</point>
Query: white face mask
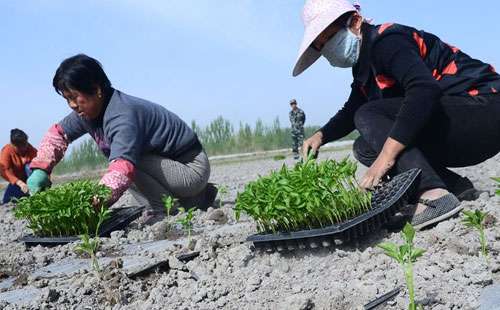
<point>342,50</point>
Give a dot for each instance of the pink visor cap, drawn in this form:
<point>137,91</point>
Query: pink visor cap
<point>317,15</point>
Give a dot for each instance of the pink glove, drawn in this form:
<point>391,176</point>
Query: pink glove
<point>51,150</point>
<point>119,177</point>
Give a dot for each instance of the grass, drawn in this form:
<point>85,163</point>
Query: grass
<point>309,195</point>
<point>406,255</point>
<point>64,210</point>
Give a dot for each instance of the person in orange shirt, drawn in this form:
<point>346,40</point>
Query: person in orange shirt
<point>14,164</point>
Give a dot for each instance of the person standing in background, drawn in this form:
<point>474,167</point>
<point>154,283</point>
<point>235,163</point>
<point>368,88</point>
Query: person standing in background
<point>14,160</point>
<point>297,120</point>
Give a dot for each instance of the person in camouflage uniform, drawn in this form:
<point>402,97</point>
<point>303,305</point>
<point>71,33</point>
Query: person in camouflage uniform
<point>297,119</point>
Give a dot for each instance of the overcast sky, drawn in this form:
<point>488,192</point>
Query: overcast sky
<point>200,58</point>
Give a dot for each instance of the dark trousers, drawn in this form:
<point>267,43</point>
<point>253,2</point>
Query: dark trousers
<point>11,192</point>
<point>462,131</point>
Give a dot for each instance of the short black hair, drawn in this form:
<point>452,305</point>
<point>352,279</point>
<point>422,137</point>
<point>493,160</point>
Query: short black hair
<point>18,137</point>
<point>81,73</point>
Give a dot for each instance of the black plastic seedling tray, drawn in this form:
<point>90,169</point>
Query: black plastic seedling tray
<point>120,218</point>
<point>385,202</point>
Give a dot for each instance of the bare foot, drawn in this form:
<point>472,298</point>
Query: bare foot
<point>431,194</point>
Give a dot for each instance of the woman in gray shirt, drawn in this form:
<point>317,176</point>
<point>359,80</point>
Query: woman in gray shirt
<point>147,145</point>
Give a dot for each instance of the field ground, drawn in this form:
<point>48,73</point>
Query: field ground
<point>228,274</point>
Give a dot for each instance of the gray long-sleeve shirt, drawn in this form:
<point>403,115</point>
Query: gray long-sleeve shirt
<point>129,127</point>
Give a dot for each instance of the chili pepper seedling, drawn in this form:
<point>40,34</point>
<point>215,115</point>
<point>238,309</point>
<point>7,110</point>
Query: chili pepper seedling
<point>309,195</point>
<point>64,210</point>
<point>222,191</point>
<point>187,221</point>
<point>498,185</point>
<point>476,220</point>
<point>168,204</point>
<point>91,245</point>
<point>405,255</point>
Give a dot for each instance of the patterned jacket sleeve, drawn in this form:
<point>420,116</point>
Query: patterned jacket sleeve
<point>118,178</point>
<point>51,150</point>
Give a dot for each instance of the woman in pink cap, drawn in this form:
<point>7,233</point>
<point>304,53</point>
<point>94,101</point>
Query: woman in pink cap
<point>416,101</point>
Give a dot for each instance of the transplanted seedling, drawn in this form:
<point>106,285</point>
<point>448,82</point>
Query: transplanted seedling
<point>187,221</point>
<point>498,185</point>
<point>168,204</point>
<point>405,255</point>
<point>476,220</point>
<point>222,191</point>
<point>91,245</point>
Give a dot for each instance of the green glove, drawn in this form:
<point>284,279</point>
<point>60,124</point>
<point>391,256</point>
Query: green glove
<point>37,181</point>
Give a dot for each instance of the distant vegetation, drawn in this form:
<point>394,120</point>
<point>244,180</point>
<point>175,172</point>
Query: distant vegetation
<point>218,138</point>
<point>85,156</point>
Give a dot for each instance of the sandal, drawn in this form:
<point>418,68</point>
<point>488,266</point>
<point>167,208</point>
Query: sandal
<point>437,210</point>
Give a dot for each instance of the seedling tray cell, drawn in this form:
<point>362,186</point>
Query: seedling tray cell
<point>385,202</point>
<point>120,218</point>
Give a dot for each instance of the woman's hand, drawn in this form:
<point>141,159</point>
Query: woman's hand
<point>312,144</point>
<point>24,188</point>
<point>378,169</point>
<point>38,181</point>
<point>384,162</point>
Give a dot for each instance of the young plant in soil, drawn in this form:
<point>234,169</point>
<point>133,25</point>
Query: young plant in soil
<point>476,219</point>
<point>498,185</point>
<point>168,204</point>
<point>309,195</point>
<point>187,221</point>
<point>89,245</point>
<point>406,255</point>
<point>64,210</point>
<point>222,191</point>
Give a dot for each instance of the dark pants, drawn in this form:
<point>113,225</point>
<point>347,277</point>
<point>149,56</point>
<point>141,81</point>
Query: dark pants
<point>11,192</point>
<point>463,131</point>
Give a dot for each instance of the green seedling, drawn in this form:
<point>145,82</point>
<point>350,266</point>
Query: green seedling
<point>498,185</point>
<point>89,245</point>
<point>309,195</point>
<point>187,221</point>
<point>222,191</point>
<point>64,210</point>
<point>168,204</point>
<point>279,157</point>
<point>476,220</point>
<point>406,255</point>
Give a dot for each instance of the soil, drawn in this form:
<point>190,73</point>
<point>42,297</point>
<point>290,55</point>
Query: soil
<point>229,274</point>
